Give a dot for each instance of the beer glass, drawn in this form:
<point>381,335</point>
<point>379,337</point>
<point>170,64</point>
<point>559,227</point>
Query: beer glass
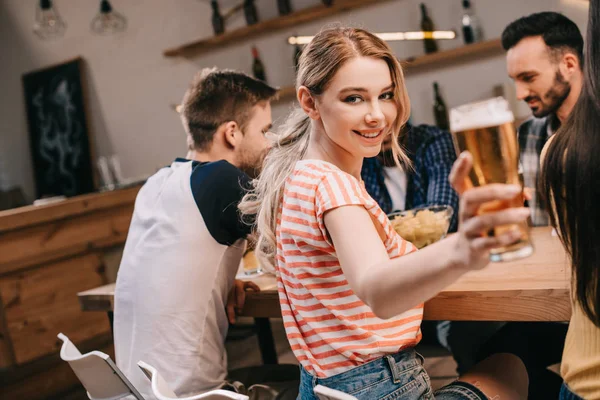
<point>486,130</point>
<point>250,264</point>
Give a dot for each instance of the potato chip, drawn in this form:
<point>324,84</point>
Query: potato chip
<point>422,227</point>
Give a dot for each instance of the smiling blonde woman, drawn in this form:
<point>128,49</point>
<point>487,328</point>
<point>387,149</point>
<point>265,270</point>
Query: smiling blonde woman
<point>351,289</point>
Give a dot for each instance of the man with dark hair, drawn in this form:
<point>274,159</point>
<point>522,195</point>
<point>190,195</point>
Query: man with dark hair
<point>544,58</point>
<point>176,284</point>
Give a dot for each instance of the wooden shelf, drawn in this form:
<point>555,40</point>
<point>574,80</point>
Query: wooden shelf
<point>442,58</point>
<point>459,54</point>
<point>286,92</point>
<point>287,21</point>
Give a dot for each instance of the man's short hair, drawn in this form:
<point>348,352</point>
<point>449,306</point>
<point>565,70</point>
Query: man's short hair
<point>559,33</point>
<point>219,96</point>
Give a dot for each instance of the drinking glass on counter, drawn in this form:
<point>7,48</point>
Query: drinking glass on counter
<point>486,130</point>
<point>250,264</point>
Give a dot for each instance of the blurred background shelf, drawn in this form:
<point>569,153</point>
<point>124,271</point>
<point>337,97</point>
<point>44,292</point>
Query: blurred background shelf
<point>459,54</point>
<point>310,14</point>
<point>287,92</point>
<point>414,65</point>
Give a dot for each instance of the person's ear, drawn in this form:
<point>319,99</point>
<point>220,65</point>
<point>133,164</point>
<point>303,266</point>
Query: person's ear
<point>231,134</point>
<point>307,102</point>
<point>570,64</point>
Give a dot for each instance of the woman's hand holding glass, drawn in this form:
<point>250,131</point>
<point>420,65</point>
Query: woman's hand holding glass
<point>472,246</point>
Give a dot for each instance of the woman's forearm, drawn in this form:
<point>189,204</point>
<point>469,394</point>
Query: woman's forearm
<point>397,285</point>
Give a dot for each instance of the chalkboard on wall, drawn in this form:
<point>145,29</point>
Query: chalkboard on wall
<point>58,132</point>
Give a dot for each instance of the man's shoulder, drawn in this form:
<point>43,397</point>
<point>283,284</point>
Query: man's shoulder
<point>216,169</point>
<point>216,176</point>
<point>200,175</point>
<point>533,125</point>
<point>217,188</point>
<point>425,133</point>
<point>426,136</point>
<point>425,130</point>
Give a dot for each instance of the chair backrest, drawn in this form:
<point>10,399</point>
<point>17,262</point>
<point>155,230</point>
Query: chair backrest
<point>97,373</point>
<point>325,393</point>
<point>162,391</point>
<point>160,388</point>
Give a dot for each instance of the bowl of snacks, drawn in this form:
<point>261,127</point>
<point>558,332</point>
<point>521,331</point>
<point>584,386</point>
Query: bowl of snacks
<point>422,226</point>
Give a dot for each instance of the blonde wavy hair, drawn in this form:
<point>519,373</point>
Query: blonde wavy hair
<point>328,51</point>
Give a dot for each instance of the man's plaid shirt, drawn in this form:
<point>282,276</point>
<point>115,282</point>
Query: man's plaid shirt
<point>432,153</point>
<point>533,135</point>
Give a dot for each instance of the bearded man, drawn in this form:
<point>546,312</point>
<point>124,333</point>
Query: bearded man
<point>544,58</point>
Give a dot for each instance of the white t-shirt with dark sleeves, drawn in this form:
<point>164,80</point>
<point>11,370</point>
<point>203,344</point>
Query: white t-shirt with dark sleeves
<point>181,256</point>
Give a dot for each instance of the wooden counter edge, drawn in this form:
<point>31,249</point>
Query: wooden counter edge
<point>500,305</point>
<point>23,217</point>
<point>493,305</point>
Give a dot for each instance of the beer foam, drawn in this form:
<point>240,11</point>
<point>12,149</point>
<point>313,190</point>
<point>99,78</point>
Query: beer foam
<point>482,114</point>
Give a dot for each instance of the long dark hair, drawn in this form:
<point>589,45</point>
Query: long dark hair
<point>571,178</point>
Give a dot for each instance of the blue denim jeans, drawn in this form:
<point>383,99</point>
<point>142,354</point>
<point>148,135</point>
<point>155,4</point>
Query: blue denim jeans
<point>566,394</point>
<point>397,376</point>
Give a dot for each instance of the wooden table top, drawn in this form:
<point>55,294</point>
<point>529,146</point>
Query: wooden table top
<point>531,289</point>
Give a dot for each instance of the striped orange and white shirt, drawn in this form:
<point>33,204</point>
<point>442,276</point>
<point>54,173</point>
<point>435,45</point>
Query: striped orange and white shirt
<point>329,328</point>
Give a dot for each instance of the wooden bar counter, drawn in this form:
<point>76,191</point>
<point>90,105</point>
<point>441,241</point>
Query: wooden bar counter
<point>47,255</point>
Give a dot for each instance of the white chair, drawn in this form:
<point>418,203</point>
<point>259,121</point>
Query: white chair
<point>97,373</point>
<point>161,390</point>
<point>325,393</point>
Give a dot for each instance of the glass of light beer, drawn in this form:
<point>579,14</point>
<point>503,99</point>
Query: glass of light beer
<point>485,129</point>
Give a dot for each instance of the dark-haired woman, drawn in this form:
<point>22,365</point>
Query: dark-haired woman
<point>571,184</point>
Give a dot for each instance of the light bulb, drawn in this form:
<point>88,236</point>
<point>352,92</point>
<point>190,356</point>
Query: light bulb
<point>108,21</point>
<point>48,23</point>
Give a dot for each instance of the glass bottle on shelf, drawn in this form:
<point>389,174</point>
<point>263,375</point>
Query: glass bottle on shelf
<point>440,112</point>
<point>297,53</point>
<point>470,24</point>
<point>217,19</point>
<point>258,69</point>
<point>284,7</point>
<point>427,26</point>
<point>250,12</point>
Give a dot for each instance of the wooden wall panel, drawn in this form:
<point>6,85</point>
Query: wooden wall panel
<point>7,357</point>
<point>58,378</point>
<point>23,217</point>
<point>48,377</point>
<point>63,238</point>
<point>47,255</point>
<point>41,302</point>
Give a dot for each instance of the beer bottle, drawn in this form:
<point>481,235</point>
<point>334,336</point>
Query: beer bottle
<point>250,12</point>
<point>258,69</point>
<point>284,7</point>
<point>440,112</point>
<point>470,24</point>
<point>427,26</point>
<point>297,53</point>
<point>217,20</point>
